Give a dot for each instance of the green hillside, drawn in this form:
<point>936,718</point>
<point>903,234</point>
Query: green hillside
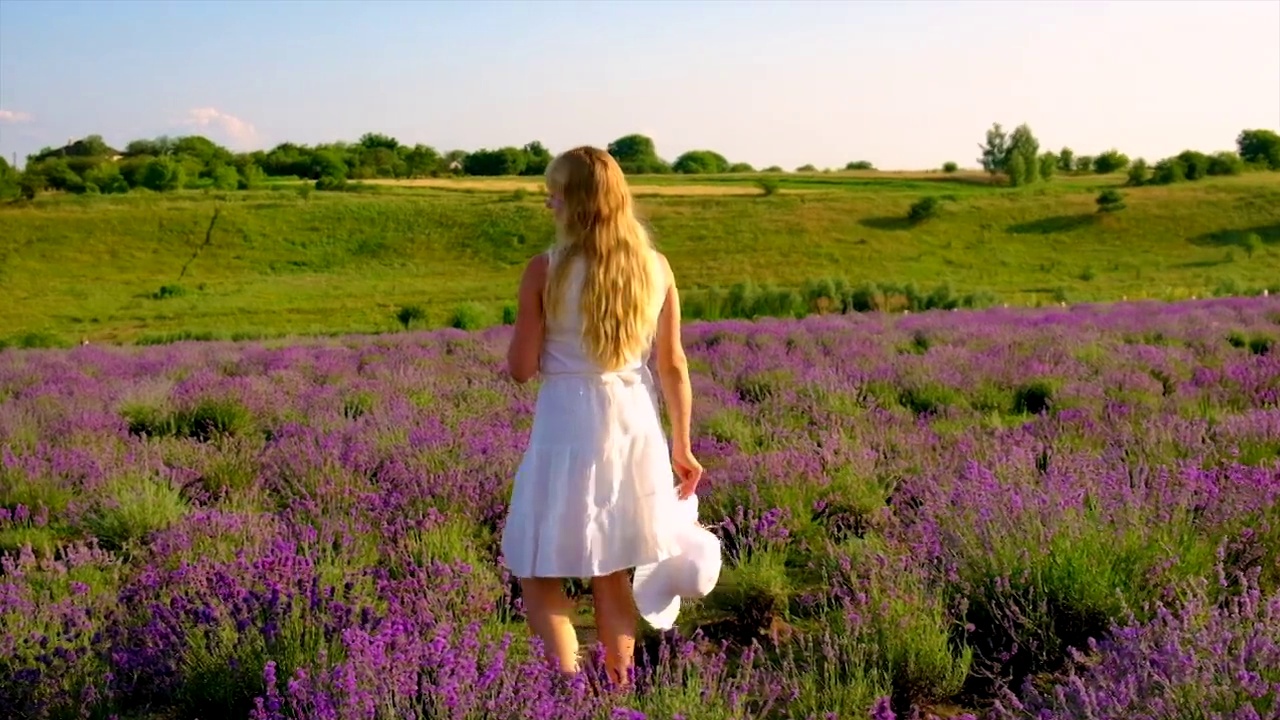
<point>290,260</point>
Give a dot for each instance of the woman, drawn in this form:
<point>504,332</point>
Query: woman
<point>594,493</point>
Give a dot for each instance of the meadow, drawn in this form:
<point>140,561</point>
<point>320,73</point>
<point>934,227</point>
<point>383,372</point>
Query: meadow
<point>1009,513</point>
<point>393,254</point>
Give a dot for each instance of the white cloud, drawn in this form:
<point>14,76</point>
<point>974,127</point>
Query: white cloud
<point>231,128</point>
<point>14,116</point>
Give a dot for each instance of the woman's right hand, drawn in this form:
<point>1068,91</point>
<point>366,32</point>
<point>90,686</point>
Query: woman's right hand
<point>688,470</point>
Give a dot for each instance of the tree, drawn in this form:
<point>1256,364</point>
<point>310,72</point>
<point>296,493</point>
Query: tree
<point>1260,147</point>
<point>995,154</point>
<point>373,141</point>
<point>1225,163</point>
<point>162,174</point>
<point>1084,163</point>
<point>203,150</point>
<point>1168,170</point>
<point>536,158</point>
<point>1015,155</point>
<point>1026,149</point>
<point>1066,160</point>
<point>162,145</point>
<point>1196,164</point>
<point>1138,173</point>
<point>107,179</point>
<point>503,161</point>
<point>225,177</point>
<point>636,154</point>
<point>1048,165</point>
<point>700,162</point>
<point>860,165</point>
<point>9,188</point>
<point>1015,168</point>
<point>1110,161</point>
<point>421,161</point>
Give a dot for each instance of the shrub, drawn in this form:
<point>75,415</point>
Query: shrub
<point>331,183</point>
<point>1225,163</point>
<point>1139,173</point>
<point>468,316</point>
<point>1109,162</point>
<point>1110,200</point>
<point>169,291</point>
<point>924,209</point>
<point>1251,243</point>
<point>1196,164</point>
<point>1167,171</point>
<point>409,314</point>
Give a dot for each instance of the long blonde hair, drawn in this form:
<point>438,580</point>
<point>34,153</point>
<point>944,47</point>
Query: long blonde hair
<point>598,225</point>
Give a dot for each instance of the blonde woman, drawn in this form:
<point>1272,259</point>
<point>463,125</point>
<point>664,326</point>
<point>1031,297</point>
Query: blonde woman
<point>596,489</point>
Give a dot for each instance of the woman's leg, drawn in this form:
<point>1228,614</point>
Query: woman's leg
<point>616,617</point>
<point>548,611</point>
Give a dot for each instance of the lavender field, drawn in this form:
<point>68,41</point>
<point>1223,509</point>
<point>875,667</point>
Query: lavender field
<point>1068,513</point>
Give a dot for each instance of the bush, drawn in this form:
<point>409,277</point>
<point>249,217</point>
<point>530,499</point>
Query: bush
<point>924,209</point>
<point>331,183</point>
<point>468,316</point>
<point>169,291</point>
<point>1167,171</point>
<point>1226,163</point>
<point>1251,243</point>
<point>409,314</point>
<point>1110,201</point>
<point>1109,162</point>
<point>1260,148</point>
<point>1196,164</point>
<point>949,167</point>
<point>1139,173</point>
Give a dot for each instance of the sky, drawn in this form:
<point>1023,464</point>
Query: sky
<point>906,85</point>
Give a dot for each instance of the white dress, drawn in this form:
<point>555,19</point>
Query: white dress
<point>595,491</point>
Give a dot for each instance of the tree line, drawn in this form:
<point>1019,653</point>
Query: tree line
<point>1017,158</point>
<point>163,164</point>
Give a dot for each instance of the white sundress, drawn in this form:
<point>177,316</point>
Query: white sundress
<point>595,491</point>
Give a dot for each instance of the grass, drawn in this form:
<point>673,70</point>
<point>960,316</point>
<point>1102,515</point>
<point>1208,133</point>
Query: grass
<point>290,261</point>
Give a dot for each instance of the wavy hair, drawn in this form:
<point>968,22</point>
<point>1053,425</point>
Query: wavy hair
<point>598,225</point>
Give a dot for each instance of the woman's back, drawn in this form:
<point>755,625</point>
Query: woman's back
<point>563,349</point>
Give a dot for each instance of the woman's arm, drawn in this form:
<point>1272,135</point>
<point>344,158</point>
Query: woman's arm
<point>673,366</point>
<point>525,350</point>
<point>673,375</point>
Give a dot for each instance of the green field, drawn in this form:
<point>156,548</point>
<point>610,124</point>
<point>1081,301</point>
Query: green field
<point>290,260</point>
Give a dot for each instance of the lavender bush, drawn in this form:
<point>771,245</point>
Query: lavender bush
<point>1066,513</point>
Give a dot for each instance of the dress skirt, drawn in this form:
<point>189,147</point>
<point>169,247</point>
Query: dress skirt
<point>594,492</point>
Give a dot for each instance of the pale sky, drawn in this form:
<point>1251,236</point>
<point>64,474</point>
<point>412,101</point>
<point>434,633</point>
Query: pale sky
<point>906,85</point>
